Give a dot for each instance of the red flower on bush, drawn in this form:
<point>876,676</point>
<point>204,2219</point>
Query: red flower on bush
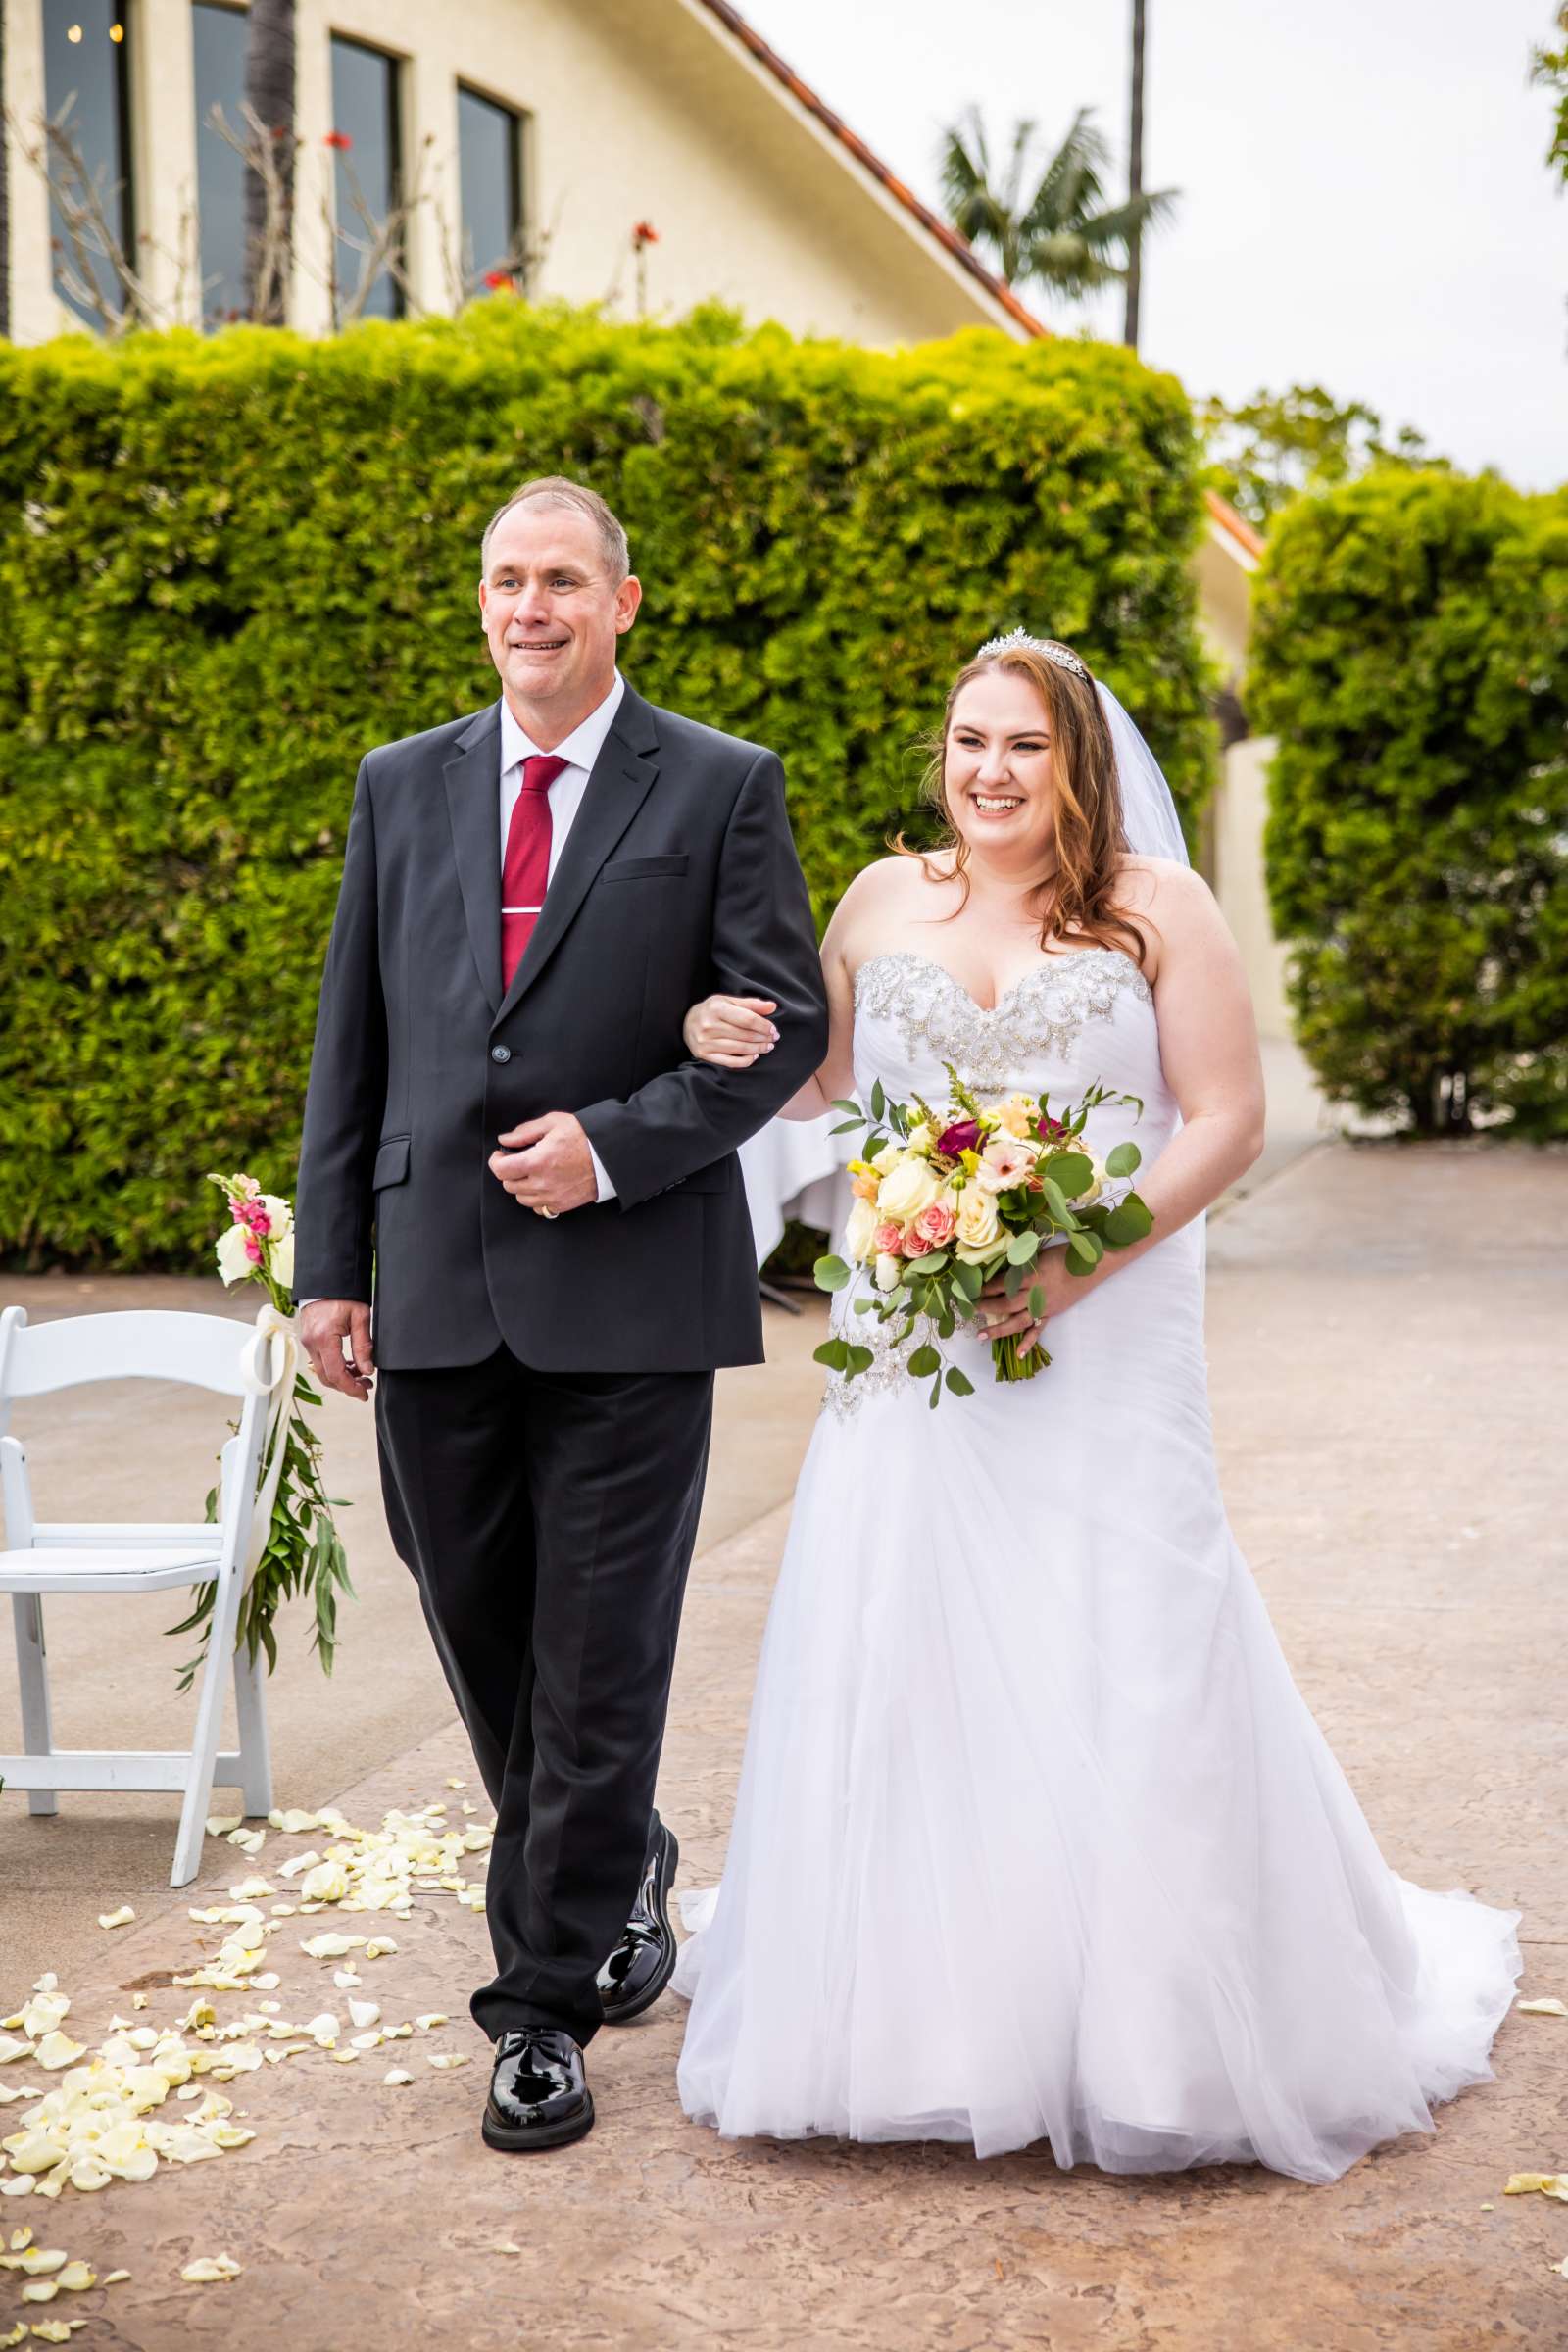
<point>339,139</point>
<point>644,234</point>
<point>500,281</point>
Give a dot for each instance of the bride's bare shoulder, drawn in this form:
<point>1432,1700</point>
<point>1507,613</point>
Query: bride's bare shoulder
<point>1165,902</point>
<point>886,889</point>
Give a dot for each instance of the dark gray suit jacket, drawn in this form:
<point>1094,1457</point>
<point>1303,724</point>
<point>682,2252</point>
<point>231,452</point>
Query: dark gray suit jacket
<point>678,877</point>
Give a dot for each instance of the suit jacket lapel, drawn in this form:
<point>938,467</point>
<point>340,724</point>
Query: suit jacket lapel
<point>621,780</point>
<point>473,805</point>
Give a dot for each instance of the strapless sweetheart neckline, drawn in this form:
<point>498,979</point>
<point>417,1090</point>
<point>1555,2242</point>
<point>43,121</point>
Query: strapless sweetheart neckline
<point>930,963</point>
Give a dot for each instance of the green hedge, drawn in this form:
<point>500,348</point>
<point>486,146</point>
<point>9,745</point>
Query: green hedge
<point>1411,655</point>
<point>229,566</point>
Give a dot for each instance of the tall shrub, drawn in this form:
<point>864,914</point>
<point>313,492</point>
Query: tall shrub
<point>228,567</point>
<point>1411,656</point>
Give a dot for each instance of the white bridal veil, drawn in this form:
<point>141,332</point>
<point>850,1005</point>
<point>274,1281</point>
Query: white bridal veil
<point>1148,812</point>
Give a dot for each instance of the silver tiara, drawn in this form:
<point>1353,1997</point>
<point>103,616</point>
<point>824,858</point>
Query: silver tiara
<point>1019,640</point>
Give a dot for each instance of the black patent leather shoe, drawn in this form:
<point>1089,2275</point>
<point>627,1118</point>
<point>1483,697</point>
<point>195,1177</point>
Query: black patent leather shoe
<point>644,1960</point>
<point>539,2094</point>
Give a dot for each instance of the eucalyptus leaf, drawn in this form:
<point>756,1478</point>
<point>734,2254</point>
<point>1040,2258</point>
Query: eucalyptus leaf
<point>859,1359</point>
<point>1023,1249</point>
<point>924,1360</point>
<point>1129,1222</point>
<point>959,1383</point>
<point>830,1274</point>
<point>1123,1160</point>
<point>834,1353</point>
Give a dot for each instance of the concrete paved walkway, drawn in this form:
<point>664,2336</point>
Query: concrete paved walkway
<point>1385,1333</point>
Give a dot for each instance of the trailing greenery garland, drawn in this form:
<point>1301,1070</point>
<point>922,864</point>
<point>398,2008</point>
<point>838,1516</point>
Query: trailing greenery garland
<point>228,566</point>
<point>1410,653</point>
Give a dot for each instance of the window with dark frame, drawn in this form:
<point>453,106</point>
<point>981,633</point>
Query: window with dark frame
<point>218,33</point>
<point>367,135</point>
<point>490,178</point>
<point>86,81</point>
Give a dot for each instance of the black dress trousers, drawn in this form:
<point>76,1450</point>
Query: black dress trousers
<point>549,1519</point>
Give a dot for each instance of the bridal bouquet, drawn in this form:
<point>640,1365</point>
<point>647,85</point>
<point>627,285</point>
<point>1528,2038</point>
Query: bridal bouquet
<point>297,1547</point>
<point>945,1202</point>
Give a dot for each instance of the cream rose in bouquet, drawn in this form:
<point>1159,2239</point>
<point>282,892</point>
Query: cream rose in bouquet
<point>944,1203</point>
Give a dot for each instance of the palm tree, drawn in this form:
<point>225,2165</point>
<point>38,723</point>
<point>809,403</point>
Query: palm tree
<point>270,107</point>
<point>1062,235</point>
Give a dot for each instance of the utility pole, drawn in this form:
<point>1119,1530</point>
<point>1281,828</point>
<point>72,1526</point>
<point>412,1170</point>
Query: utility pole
<point>1134,180</point>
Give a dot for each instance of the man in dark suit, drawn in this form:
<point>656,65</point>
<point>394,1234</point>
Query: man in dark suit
<point>503,1119</point>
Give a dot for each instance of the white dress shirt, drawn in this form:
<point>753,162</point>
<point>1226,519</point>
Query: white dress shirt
<point>579,750</point>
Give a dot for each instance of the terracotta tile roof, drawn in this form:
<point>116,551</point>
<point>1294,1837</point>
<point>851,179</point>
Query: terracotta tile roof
<point>963,252</point>
<point>1240,529</point>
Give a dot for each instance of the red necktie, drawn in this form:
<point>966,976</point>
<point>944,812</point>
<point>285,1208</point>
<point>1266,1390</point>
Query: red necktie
<point>525,874</point>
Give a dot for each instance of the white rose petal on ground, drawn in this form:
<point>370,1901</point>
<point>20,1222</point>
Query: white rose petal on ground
<point>117,1919</point>
<point>431,2018</point>
<point>40,2291</point>
<point>57,2049</point>
<point>208,2269</point>
<point>398,2074</point>
<point>446,2057</point>
<point>218,1824</point>
<point>365,2013</point>
<point>11,2048</point>
<point>329,1945</point>
<point>328,1882</point>
<point>1543,2008</point>
<point>77,2277</point>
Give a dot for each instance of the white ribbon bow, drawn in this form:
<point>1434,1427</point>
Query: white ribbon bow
<point>267,1362</point>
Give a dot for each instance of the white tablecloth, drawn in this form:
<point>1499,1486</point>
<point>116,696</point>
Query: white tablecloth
<point>795,1168</point>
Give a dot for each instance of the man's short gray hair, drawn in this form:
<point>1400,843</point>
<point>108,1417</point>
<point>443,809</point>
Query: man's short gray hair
<point>555,490</point>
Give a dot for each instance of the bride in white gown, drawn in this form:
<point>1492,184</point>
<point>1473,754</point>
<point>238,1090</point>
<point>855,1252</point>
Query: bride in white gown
<point>1036,1839</point>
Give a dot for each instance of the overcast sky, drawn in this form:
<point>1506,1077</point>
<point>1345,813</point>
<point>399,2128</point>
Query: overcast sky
<point>1364,200</point>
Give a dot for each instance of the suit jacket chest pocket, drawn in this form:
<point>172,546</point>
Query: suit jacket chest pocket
<point>644,869</point>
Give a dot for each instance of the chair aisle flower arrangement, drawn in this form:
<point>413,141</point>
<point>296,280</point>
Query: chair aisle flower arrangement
<point>269,1531</point>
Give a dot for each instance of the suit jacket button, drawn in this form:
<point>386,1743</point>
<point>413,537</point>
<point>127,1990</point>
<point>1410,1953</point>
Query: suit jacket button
<point>501,1052</point>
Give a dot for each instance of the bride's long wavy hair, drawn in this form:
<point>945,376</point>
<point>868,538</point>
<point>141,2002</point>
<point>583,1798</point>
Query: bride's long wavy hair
<point>1079,899</point>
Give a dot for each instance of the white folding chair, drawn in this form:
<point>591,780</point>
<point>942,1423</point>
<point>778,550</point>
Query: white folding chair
<point>204,1352</point>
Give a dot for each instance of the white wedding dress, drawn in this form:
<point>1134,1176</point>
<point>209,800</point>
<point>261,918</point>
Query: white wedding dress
<point>1036,1840</point>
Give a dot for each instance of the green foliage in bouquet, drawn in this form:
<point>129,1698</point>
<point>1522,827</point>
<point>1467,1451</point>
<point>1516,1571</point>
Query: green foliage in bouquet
<point>1411,656</point>
<point>228,565</point>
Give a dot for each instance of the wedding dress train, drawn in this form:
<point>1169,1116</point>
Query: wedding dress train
<point>1036,1840</point>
